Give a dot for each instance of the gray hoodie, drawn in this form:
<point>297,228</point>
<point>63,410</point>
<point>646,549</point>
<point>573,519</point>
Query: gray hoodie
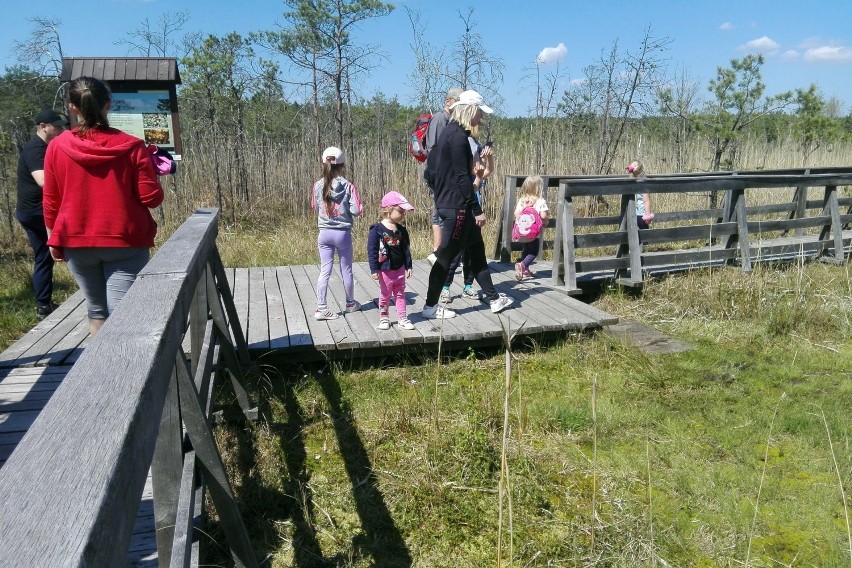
<point>345,204</point>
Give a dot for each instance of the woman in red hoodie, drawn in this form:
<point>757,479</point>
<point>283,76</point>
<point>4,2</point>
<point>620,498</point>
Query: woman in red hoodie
<point>99,187</point>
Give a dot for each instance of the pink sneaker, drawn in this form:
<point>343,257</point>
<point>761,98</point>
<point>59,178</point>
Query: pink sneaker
<point>527,273</point>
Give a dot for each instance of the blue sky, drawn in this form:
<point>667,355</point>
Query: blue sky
<point>804,42</point>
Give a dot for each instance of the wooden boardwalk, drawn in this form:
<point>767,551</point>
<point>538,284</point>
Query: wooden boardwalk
<point>275,306</point>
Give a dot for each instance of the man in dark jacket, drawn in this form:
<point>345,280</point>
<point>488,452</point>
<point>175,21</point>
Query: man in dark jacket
<point>29,212</point>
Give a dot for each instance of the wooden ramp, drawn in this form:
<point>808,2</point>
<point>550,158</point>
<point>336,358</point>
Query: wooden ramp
<point>275,306</point>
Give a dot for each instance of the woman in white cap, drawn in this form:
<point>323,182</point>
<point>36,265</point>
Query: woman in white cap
<point>450,164</point>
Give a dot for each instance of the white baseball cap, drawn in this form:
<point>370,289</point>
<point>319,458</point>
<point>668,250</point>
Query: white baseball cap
<point>472,98</point>
<point>333,155</point>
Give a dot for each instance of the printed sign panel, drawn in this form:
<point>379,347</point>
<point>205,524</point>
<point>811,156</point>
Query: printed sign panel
<point>146,115</point>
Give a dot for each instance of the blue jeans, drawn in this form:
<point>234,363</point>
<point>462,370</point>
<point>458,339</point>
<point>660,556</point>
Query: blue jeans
<point>33,224</point>
<point>105,274</point>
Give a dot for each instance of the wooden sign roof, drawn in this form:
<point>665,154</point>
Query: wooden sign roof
<point>155,69</point>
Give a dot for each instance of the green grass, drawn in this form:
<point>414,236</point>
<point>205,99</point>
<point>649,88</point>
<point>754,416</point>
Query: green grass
<point>397,462</point>
<point>17,302</point>
<point>365,466</point>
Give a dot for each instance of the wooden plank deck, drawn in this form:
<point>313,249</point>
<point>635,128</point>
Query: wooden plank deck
<point>273,301</point>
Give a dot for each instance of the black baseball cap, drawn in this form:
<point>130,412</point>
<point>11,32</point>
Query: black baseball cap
<point>50,116</point>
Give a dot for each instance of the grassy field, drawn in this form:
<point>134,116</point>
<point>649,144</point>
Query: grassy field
<point>736,453</point>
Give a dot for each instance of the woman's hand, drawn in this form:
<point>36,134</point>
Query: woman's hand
<point>480,220</point>
<point>57,254</point>
<point>374,276</point>
<point>408,273</point>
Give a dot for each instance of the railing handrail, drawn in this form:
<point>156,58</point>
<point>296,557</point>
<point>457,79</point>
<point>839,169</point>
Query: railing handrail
<point>71,489</point>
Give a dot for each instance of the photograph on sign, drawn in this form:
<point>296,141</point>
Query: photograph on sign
<point>144,114</point>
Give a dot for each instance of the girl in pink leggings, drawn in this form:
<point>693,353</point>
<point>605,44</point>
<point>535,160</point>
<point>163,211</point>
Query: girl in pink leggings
<point>336,201</point>
<point>389,254</point>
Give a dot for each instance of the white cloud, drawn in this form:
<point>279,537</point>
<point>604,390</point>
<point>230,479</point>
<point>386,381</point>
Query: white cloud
<point>726,26</point>
<point>812,42</point>
<point>829,53</point>
<point>551,54</point>
<point>790,55</point>
<point>761,45</point>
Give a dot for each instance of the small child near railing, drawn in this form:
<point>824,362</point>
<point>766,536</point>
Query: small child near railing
<point>644,216</point>
<point>531,214</point>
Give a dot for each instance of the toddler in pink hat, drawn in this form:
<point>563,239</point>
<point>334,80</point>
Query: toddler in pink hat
<point>389,255</point>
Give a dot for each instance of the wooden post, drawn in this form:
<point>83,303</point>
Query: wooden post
<point>198,319</point>
<point>227,300</point>
<point>832,207</point>
<point>211,462</point>
<point>557,277</point>
<point>503,248</point>
<point>633,248</point>
<point>801,200</point>
<point>736,209</point>
<point>166,473</point>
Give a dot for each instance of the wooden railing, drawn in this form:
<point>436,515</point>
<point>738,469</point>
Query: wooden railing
<point>70,492</point>
<point>732,232</point>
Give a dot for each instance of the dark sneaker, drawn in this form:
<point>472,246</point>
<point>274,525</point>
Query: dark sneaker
<point>44,311</point>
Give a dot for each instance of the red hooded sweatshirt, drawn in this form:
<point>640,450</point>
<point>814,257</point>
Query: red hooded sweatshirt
<point>99,189</point>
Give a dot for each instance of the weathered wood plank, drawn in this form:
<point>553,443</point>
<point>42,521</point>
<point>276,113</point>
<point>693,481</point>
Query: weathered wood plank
<point>323,339</point>
<point>241,299</point>
<point>257,329</point>
<point>14,355</point>
<point>71,506</point>
<point>279,336</point>
<point>297,315</point>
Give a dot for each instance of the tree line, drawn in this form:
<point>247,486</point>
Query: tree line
<point>257,109</point>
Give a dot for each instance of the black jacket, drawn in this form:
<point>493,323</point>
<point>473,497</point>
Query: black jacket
<point>449,171</point>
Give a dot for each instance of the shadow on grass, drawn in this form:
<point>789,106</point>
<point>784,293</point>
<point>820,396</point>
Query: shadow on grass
<point>266,509</point>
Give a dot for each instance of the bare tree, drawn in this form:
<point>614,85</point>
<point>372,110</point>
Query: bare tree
<point>319,41</point>
<point>678,99</point>
<point>156,39</point>
<point>618,89</point>
<point>427,78</point>
<point>473,67</point>
<point>42,50</point>
<point>546,106</point>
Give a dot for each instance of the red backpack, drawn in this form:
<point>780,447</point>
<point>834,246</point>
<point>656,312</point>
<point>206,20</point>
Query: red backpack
<point>417,140</point>
<point>527,226</point>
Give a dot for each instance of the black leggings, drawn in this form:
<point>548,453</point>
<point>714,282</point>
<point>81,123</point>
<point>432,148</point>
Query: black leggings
<point>459,233</point>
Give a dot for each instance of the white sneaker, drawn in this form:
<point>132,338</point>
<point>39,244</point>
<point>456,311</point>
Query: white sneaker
<point>384,323</point>
<point>446,297</point>
<point>325,314</point>
<point>437,312</point>
<point>501,303</point>
<point>432,259</point>
<point>405,323</point>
